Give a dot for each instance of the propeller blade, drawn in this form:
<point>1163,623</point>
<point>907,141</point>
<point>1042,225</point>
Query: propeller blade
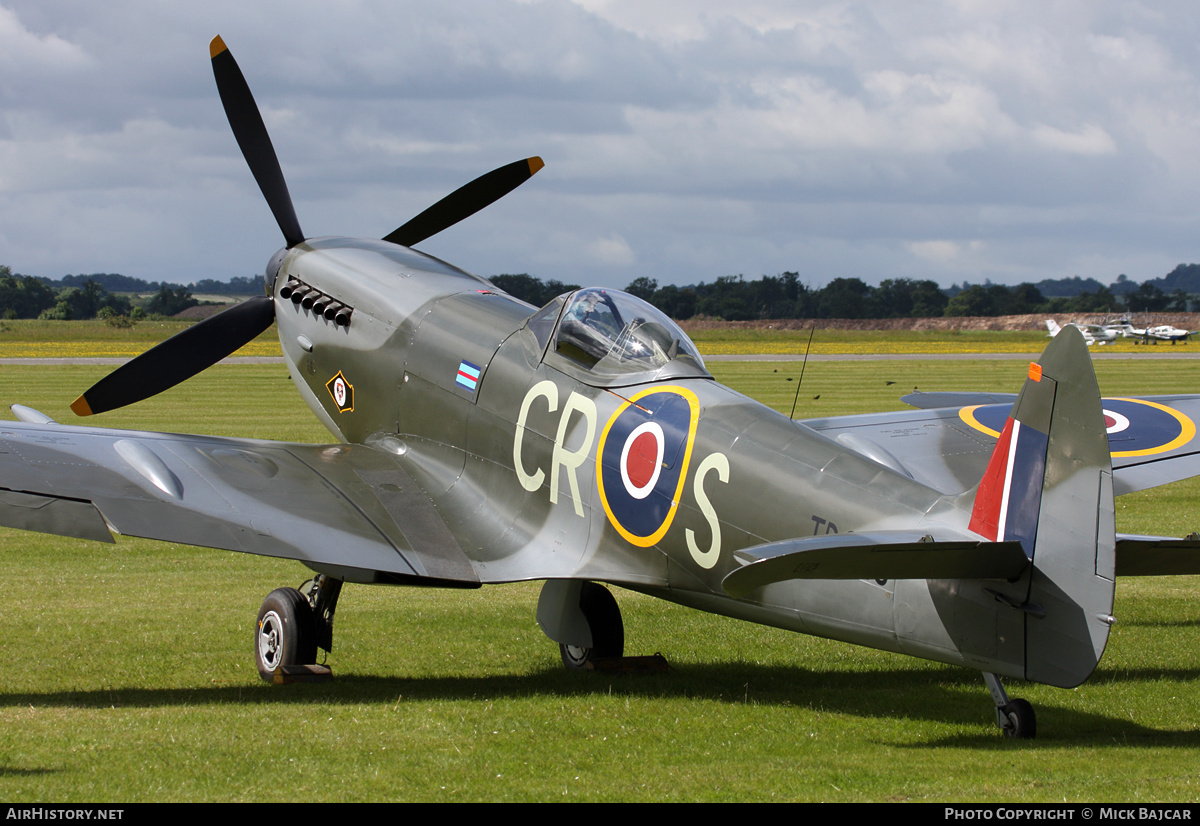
<point>179,357</point>
<point>465,202</point>
<point>252,137</point>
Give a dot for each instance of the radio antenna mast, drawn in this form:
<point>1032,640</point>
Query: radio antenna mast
<point>807,347</point>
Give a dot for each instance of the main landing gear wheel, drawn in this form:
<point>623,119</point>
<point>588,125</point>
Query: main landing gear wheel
<point>1019,720</point>
<point>286,633</point>
<point>604,621</point>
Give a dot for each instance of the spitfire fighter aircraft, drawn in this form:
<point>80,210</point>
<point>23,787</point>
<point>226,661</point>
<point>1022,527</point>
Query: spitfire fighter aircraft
<point>481,440</point>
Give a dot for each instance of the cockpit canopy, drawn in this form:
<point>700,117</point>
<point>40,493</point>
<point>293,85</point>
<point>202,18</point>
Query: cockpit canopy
<point>611,338</point>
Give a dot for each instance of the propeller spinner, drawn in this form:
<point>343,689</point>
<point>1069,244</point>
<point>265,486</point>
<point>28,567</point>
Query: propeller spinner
<point>207,342</point>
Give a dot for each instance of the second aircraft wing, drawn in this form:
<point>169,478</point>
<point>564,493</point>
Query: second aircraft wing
<point>1153,439</point>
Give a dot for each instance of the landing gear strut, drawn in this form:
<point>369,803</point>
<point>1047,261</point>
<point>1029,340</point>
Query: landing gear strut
<point>604,620</point>
<point>583,618</point>
<point>291,626</point>
<point>1015,717</point>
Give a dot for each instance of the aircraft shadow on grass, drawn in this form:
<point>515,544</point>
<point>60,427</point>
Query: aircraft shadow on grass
<point>934,695</point>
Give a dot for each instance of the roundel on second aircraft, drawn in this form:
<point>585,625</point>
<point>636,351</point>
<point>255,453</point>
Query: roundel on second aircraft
<point>643,458</point>
<point>1136,427</point>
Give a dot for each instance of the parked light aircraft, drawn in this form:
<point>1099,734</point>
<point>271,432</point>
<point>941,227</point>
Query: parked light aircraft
<point>1161,332</point>
<point>481,440</point>
<point>1092,333</point>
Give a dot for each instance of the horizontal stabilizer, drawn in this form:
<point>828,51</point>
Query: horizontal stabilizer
<point>879,555</point>
<point>1157,555</point>
<point>950,398</point>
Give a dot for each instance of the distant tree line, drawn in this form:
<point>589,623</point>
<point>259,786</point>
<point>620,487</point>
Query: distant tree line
<point>730,297</point>
<point>23,297</point>
<point>82,297</point>
<point>530,289</point>
<point>734,298</point>
<point>117,283</point>
<point>994,300</point>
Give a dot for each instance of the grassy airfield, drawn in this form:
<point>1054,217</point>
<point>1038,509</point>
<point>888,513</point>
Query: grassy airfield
<point>128,673</point>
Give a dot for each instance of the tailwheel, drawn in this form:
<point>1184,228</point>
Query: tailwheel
<point>285,634</point>
<point>1015,717</point>
<point>604,621</point>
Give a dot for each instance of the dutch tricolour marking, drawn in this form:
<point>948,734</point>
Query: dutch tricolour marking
<point>468,376</point>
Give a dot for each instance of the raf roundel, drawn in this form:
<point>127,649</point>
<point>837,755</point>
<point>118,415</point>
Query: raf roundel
<point>643,458</point>
<point>1136,427</point>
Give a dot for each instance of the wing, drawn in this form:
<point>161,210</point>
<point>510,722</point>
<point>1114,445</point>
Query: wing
<point>346,510</point>
<point>1153,439</point>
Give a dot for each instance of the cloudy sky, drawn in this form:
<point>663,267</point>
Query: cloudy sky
<point>684,140</point>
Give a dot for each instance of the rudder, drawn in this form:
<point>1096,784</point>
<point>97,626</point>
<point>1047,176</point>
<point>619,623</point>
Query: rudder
<point>1048,485</point>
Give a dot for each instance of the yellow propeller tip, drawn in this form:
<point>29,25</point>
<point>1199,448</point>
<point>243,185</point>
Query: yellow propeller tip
<point>535,163</point>
<point>216,46</point>
<point>81,407</point>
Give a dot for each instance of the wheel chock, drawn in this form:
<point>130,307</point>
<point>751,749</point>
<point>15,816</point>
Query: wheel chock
<point>654,664</point>
<point>302,674</point>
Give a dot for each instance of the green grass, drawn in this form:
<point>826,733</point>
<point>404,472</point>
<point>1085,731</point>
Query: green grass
<point>37,338</point>
<point>128,675</point>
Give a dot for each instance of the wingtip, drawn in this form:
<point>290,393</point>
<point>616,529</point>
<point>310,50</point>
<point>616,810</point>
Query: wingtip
<point>535,163</point>
<point>81,407</point>
<point>216,46</point>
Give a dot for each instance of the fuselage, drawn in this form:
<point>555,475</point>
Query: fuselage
<point>545,464</point>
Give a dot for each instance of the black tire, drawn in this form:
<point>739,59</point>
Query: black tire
<point>285,633</point>
<point>1021,722</point>
<point>604,621</point>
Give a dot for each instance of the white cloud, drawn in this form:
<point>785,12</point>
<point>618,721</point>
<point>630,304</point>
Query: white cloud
<point>1090,140</point>
<point>21,50</point>
<point>612,251</point>
<point>940,252</point>
<point>710,138</point>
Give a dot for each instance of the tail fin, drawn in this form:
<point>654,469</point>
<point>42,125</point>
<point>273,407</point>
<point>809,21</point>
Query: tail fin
<point>1008,500</point>
<point>1048,485</point>
<point>1053,327</point>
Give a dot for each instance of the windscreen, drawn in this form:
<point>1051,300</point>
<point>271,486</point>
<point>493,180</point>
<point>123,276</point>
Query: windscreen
<point>614,334</point>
